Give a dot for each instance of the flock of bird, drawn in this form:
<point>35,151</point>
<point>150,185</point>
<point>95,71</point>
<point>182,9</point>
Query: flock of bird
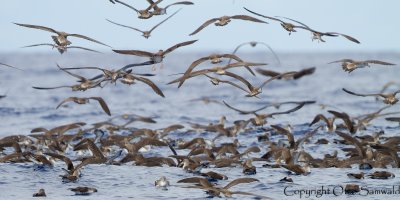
<point>108,146</point>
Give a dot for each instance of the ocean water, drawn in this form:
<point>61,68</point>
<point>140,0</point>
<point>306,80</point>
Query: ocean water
<point>25,108</point>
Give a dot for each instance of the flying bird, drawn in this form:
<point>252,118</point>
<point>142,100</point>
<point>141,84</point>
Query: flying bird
<point>162,11</point>
<point>61,37</point>
<point>350,65</point>
<point>318,35</point>
<point>285,25</point>
<point>61,49</point>
<point>145,34</point>
<point>85,100</point>
<point>254,44</point>
<point>155,57</point>
<point>142,14</point>
<point>388,98</point>
<point>224,20</point>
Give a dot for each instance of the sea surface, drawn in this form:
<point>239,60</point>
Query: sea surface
<point>25,108</point>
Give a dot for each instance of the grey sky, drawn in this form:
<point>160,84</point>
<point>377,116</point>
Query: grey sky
<point>374,23</point>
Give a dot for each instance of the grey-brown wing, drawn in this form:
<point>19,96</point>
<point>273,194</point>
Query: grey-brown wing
<point>379,62</point>
<point>50,88</point>
<point>238,47</point>
<point>272,51</point>
<point>125,26</point>
<point>191,75</point>
<point>239,181</point>
<point>308,135</point>
<point>38,27</point>
<point>150,141</point>
<point>230,83</point>
<point>354,141</point>
<point>271,18</point>
<point>276,77</point>
<point>342,60</point>
<point>169,50</point>
<point>357,94</point>
<point>87,38</point>
<point>153,5</point>
<point>127,5</point>
<point>150,83</point>
<point>72,74</point>
<point>135,65</point>
<point>286,132</point>
<point>267,72</point>
<point>94,149</point>
<point>68,162</point>
<point>345,36</point>
<point>134,52</point>
<point>103,104</point>
<point>304,72</point>
<point>244,64</point>
<point>346,118</point>
<point>42,44</point>
<point>248,18</point>
<point>288,111</point>
<point>157,25</point>
<point>386,86</point>
<point>83,48</point>
<point>10,66</point>
<point>180,3</point>
<point>241,79</point>
<point>65,101</point>
<point>319,117</point>
<point>190,69</point>
<point>238,110</point>
<point>191,180</point>
<point>205,24</point>
<point>307,27</point>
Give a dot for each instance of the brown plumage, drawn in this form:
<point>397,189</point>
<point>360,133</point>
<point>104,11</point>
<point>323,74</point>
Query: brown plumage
<point>318,35</point>
<point>156,57</point>
<point>220,70</point>
<point>145,34</point>
<point>361,150</point>
<point>162,11</point>
<point>381,175</point>
<point>40,193</point>
<point>356,176</point>
<point>83,190</point>
<point>61,37</point>
<point>84,83</point>
<point>350,65</point>
<point>346,119</point>
<point>388,98</point>
<point>330,126</point>
<point>285,25</point>
<point>142,14</point>
<point>298,169</point>
<point>214,58</point>
<point>61,49</point>
<point>224,20</point>
<point>59,129</point>
<point>84,100</point>
<point>260,119</point>
<point>213,190</point>
<point>297,75</point>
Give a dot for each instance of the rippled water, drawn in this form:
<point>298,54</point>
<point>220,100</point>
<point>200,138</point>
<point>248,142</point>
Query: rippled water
<point>25,108</point>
